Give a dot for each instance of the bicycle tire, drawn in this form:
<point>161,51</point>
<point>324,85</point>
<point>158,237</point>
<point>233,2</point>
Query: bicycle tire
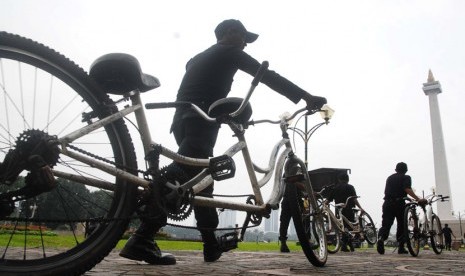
<point>333,235</point>
<point>308,224</point>
<point>368,228</point>
<point>412,230</point>
<point>33,108</point>
<point>437,237</point>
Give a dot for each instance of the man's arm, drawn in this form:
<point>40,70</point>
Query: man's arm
<point>411,193</point>
<point>359,206</point>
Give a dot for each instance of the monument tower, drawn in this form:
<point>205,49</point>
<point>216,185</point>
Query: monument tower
<point>432,88</point>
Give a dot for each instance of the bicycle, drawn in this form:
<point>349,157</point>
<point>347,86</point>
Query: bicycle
<point>361,229</point>
<point>74,164</point>
<point>424,225</point>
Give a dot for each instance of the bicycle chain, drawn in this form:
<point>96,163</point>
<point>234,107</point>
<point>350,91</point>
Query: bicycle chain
<point>104,159</point>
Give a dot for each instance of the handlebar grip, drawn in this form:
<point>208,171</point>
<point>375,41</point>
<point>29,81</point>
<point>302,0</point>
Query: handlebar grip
<point>260,72</point>
<point>167,105</point>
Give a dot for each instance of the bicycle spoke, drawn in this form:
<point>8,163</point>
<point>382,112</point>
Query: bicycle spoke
<point>43,95</point>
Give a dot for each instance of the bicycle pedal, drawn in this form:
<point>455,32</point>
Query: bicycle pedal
<point>228,241</point>
<point>222,167</point>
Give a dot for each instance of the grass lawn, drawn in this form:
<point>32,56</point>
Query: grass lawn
<point>242,246</point>
<point>62,241</point>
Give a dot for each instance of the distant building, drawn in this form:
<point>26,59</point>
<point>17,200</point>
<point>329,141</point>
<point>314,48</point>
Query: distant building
<point>272,224</point>
<point>227,218</point>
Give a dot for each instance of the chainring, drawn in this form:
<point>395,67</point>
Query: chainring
<point>176,207</point>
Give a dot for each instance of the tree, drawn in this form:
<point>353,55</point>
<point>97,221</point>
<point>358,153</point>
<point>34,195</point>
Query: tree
<point>64,202</point>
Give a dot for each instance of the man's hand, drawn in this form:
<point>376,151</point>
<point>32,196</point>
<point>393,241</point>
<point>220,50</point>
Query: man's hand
<point>314,103</point>
<point>422,201</point>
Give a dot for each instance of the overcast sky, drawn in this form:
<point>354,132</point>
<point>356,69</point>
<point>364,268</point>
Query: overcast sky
<point>369,58</point>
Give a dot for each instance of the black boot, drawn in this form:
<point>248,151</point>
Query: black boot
<point>401,249</point>
<point>139,248</point>
<point>211,247</point>
<point>284,247</point>
<point>380,246</point>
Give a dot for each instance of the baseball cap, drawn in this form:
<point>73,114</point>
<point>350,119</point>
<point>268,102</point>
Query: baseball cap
<point>221,29</point>
<point>401,167</point>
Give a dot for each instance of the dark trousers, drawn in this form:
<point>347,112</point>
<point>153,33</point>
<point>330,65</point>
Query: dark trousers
<point>284,219</point>
<point>448,242</point>
<point>196,138</point>
<point>393,209</point>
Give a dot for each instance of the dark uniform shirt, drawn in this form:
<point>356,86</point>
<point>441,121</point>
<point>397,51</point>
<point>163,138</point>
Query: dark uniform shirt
<point>209,76</point>
<point>340,193</point>
<point>396,185</point>
<point>447,233</point>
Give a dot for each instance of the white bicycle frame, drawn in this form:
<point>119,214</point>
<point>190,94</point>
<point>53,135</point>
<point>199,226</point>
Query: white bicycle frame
<point>203,179</point>
<point>339,222</point>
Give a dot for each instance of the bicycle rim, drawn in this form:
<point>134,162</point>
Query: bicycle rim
<point>437,238</point>
<point>76,224</point>
<point>333,236</point>
<point>412,231</point>
<point>368,227</point>
<point>309,227</point>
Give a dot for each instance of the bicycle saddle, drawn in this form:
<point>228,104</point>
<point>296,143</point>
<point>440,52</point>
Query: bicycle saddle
<point>224,107</point>
<point>120,73</point>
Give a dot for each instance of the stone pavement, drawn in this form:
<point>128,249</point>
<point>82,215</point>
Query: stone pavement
<point>361,262</point>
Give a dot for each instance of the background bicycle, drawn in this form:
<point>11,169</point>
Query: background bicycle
<point>57,119</point>
<point>423,226</point>
<point>336,225</point>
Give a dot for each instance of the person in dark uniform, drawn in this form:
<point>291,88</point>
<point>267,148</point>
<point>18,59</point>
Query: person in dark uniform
<point>398,186</point>
<point>447,236</point>
<point>340,193</point>
<point>284,220</point>
<point>208,78</point>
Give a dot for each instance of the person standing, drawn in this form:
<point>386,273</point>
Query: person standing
<point>208,78</point>
<point>447,236</point>
<point>284,220</point>
<point>398,186</point>
<point>340,193</point>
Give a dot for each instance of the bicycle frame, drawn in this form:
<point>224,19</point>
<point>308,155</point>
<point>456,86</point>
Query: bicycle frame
<point>203,179</point>
<point>342,220</point>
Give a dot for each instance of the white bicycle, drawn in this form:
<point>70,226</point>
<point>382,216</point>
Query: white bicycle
<point>362,228</point>
<point>68,162</point>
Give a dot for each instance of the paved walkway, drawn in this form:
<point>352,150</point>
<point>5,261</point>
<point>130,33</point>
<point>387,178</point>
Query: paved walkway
<point>363,262</point>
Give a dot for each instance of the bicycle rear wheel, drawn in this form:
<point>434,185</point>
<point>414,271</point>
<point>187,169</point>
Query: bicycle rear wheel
<point>73,224</point>
<point>412,230</point>
<point>368,228</point>
<point>309,226</point>
<point>437,238</point>
<point>333,235</point>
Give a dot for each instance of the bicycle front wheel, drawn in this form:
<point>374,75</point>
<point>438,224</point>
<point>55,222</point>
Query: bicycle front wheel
<point>333,235</point>
<point>66,226</point>
<point>437,238</point>
<point>309,226</point>
<point>368,228</point>
<point>412,230</point>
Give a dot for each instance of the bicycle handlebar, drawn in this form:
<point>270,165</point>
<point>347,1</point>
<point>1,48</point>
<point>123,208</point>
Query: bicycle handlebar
<point>260,73</point>
<point>431,199</point>
<point>167,105</point>
<point>257,78</point>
